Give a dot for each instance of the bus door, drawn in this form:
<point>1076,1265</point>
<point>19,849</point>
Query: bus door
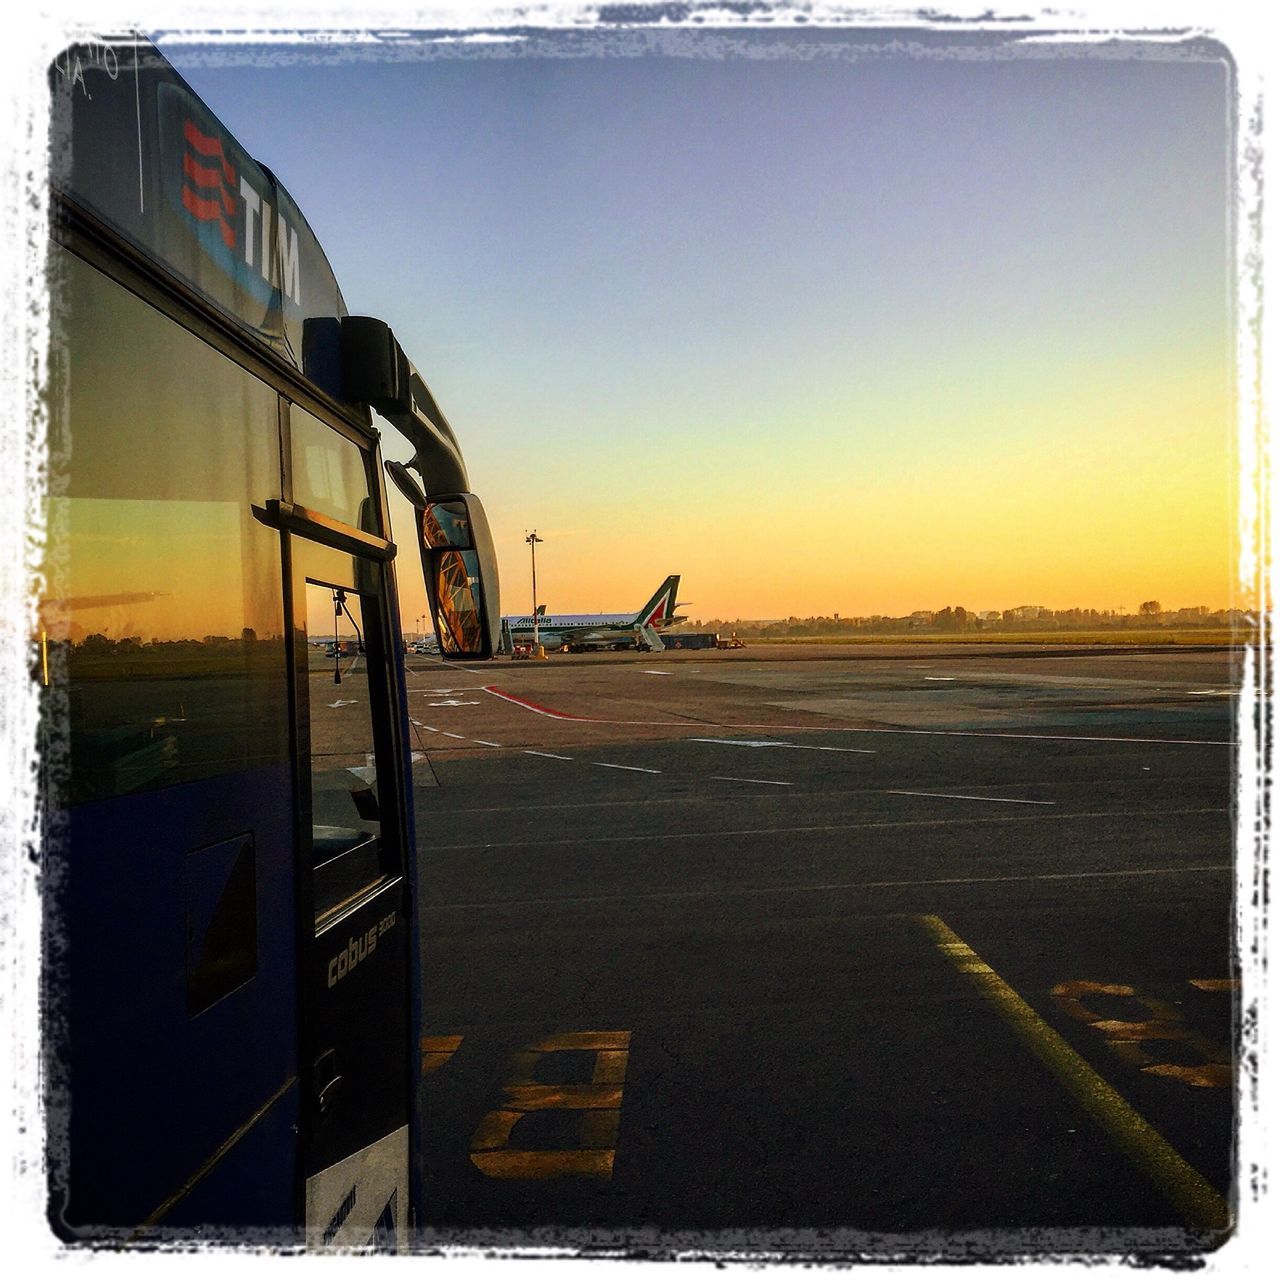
<point>353,838</point>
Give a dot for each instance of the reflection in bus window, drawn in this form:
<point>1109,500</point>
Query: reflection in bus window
<point>328,471</point>
<point>457,575</point>
<point>446,524</point>
<point>346,830</point>
<point>163,611</point>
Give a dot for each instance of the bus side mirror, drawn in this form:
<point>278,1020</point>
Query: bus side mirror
<point>375,370</point>
<point>461,571</point>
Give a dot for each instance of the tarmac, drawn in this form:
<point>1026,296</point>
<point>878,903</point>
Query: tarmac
<point>831,951</point>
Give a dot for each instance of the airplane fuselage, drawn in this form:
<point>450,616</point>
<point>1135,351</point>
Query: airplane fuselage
<point>600,629</point>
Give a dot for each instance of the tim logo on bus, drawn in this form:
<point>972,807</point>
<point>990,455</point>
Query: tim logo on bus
<point>228,204</point>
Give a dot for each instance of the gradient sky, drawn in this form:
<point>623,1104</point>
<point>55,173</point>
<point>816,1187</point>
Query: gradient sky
<point>818,332</point>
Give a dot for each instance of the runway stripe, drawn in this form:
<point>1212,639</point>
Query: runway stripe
<point>899,825</point>
<point>483,743</point>
<point>633,768</point>
<point>447,734</point>
<point>764,782</point>
<point>1182,1186</point>
<point>549,755</point>
<point>945,795</point>
<point>721,891</point>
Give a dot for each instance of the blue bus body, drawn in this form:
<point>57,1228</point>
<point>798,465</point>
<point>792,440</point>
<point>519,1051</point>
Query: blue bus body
<point>230,935</point>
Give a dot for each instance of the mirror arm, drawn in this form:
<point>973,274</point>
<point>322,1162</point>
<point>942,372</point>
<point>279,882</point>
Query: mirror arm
<point>376,372</point>
<point>436,456</point>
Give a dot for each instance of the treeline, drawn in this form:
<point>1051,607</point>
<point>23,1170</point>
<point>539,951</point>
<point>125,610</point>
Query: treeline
<point>955,619</point>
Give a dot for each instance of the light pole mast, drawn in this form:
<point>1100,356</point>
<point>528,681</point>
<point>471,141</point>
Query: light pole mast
<point>533,540</point>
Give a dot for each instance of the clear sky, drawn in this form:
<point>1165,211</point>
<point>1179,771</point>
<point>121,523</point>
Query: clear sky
<point>819,332</point>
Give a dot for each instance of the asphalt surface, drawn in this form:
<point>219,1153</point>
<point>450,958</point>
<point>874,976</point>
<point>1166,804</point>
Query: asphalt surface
<point>826,952</point>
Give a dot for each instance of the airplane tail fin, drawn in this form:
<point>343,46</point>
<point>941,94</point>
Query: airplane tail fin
<point>661,607</point>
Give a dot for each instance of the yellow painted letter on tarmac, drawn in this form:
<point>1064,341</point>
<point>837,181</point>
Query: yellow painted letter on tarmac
<point>597,1103</point>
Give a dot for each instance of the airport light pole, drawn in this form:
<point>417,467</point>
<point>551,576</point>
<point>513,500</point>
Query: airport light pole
<point>533,540</point>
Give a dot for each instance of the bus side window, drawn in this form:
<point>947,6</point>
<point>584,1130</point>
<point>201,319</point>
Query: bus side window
<point>164,612</point>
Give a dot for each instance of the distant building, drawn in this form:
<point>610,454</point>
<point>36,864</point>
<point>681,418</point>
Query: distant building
<point>1026,613</point>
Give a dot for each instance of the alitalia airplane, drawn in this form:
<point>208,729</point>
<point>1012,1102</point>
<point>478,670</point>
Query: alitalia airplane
<point>580,631</point>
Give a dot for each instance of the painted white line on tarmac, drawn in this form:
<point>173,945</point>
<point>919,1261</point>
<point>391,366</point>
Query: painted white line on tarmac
<point>721,891</point>
<point>441,662</point>
<point>896,824</point>
<point>631,768</point>
<point>1035,737</point>
<point>483,743</point>
<point>459,736</point>
<point>947,795</point>
<point>549,755</point>
<point>764,782</point>
<point>947,678</point>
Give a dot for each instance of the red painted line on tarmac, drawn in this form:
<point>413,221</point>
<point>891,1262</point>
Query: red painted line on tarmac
<point>564,715</point>
<point>533,706</point>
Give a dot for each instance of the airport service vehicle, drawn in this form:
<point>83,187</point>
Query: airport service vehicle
<point>691,640</point>
<point>231,964</point>
<point>579,632</point>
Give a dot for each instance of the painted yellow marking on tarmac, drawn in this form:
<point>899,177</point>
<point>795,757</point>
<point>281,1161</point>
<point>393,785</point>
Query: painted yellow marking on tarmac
<point>436,1051</point>
<point>543,1165</point>
<point>1127,1038</point>
<point>582,1040</point>
<point>1199,1204</point>
<point>598,1104</point>
<point>1216,984</point>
